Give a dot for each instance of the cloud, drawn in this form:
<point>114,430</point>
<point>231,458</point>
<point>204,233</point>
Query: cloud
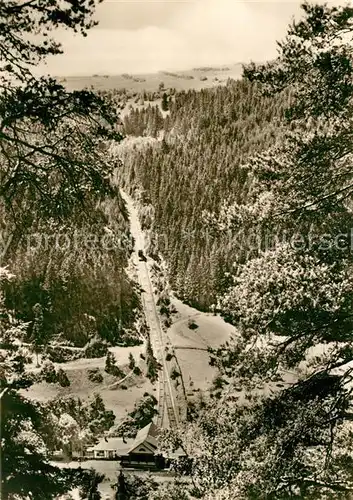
<point>204,32</point>
<point>228,31</point>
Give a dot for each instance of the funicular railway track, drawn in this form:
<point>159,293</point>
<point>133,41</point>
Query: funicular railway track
<point>167,408</point>
<point>161,403</point>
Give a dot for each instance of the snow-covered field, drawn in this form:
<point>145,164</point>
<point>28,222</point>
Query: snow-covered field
<point>190,345</point>
<point>120,400</point>
<point>196,78</point>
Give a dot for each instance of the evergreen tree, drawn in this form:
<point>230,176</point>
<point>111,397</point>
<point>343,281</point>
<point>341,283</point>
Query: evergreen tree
<point>282,427</point>
<point>133,487</point>
<point>152,363</point>
<point>132,362</point>
<point>143,413</point>
<point>207,136</point>
<point>62,378</point>
<point>121,488</point>
<point>37,331</point>
<point>25,468</point>
<point>165,102</point>
<point>43,109</point>
<point>111,367</point>
<point>89,489</point>
<point>109,362</point>
<point>52,162</point>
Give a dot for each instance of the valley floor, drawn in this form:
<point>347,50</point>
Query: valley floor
<point>111,469</point>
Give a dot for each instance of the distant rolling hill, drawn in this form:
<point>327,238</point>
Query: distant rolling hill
<point>196,78</point>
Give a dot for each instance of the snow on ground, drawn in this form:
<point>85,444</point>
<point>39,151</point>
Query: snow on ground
<point>190,345</point>
<point>121,355</point>
<point>196,79</point>
<point>120,399</point>
<point>111,469</point>
<point>212,330</point>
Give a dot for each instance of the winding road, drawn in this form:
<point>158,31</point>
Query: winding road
<point>168,415</point>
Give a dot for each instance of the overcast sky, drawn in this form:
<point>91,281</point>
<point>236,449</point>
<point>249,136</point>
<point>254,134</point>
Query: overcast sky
<point>151,35</point>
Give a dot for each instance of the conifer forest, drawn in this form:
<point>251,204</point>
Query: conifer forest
<point>176,263</point>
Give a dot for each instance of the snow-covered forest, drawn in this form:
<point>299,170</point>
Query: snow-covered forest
<point>236,252</point>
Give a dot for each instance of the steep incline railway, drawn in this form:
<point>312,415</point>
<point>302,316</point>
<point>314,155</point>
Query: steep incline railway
<point>167,408</point>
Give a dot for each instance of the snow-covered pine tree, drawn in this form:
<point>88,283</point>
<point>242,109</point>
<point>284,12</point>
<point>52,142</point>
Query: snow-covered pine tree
<point>283,425</point>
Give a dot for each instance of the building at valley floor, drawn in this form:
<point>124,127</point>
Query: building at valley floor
<point>140,452</point>
<point>108,449</point>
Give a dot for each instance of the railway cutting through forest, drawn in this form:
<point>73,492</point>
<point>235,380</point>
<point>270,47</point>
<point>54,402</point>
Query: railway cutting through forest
<point>168,414</point>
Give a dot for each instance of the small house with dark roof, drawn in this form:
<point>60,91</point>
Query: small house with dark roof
<point>138,453</point>
<point>142,452</point>
<point>131,452</point>
<point>145,440</point>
